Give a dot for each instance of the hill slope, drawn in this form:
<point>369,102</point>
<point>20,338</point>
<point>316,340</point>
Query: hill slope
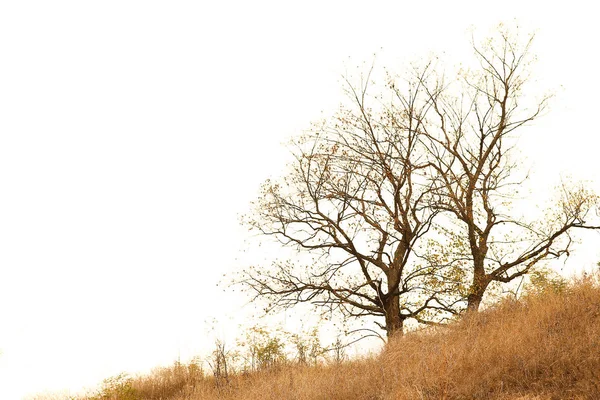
<point>544,346</point>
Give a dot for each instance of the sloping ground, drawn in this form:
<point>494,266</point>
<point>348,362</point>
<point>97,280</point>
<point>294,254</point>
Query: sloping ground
<point>545,346</point>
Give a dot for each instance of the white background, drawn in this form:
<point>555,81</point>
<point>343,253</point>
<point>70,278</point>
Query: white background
<point>134,133</point>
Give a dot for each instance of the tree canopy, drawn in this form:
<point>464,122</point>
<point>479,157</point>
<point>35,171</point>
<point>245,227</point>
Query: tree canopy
<point>405,198</point>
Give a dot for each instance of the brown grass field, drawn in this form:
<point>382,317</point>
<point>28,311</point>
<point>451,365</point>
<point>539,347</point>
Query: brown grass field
<point>544,346</point>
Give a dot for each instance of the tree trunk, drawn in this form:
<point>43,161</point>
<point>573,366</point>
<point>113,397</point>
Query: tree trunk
<point>473,302</point>
<point>394,322</point>
<point>478,288</point>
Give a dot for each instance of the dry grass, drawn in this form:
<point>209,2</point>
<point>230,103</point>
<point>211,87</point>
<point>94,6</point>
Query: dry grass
<point>545,346</point>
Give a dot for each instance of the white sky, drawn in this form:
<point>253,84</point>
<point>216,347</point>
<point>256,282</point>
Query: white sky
<point>133,134</point>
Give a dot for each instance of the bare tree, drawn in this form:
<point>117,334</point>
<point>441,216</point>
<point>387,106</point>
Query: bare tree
<point>219,363</point>
<point>405,200</point>
<point>357,198</point>
<point>471,141</point>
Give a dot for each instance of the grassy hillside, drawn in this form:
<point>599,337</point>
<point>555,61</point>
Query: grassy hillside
<point>544,346</point>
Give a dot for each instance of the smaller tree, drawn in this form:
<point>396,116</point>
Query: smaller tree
<point>262,349</point>
<point>338,351</point>
<point>221,363</point>
<point>471,139</point>
<point>307,346</point>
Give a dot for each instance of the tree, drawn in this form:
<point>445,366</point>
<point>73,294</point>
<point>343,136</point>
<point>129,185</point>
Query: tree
<point>404,199</point>
<point>358,198</point>
<point>471,144</point>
